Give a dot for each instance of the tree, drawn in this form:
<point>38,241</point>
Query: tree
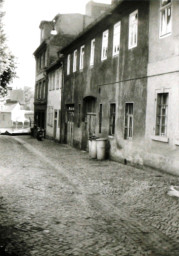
<point>7,60</point>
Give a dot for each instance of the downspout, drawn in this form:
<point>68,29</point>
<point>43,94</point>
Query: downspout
<point>61,102</point>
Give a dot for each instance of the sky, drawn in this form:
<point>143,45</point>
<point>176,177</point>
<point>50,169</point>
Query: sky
<point>21,25</point>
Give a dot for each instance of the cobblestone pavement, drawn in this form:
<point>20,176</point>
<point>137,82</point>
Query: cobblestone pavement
<point>55,201</point>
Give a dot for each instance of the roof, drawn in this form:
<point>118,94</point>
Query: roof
<point>40,48</point>
<point>97,21</point>
<point>8,107</point>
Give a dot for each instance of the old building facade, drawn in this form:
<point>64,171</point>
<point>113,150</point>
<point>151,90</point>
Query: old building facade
<point>105,82</point>
<point>65,26</point>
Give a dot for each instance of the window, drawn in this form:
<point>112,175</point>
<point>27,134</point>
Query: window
<point>92,52</point>
<point>40,91</point>
<point>116,38</point>
<point>133,29</point>
<point>161,114</point>
<point>165,18</point>
<point>112,119</point>
<point>82,53</point>
<point>75,61</point>
<point>128,129</point>
<point>59,118</point>
<point>104,50</point>
<point>43,90</point>
<point>53,81</point>
<point>55,114</point>
<point>58,79</point>
<point>50,82</point>
<point>100,117</point>
<point>50,116</point>
<point>37,90</point>
<point>68,64</point>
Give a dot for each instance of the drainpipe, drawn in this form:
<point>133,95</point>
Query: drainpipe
<point>61,103</point>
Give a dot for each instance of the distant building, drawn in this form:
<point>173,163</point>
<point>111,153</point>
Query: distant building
<point>105,83</point>
<point>16,95</point>
<point>12,117</point>
<point>55,35</point>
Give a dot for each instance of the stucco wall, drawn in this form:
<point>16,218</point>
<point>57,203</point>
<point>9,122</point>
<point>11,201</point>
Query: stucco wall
<point>163,76</point>
<point>117,80</point>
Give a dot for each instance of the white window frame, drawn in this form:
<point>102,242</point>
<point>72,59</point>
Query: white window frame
<point>68,64</point>
<point>116,38</point>
<point>133,29</point>
<point>160,115</point>
<point>104,48</point>
<point>127,118</point>
<point>82,54</point>
<point>165,29</point>
<point>92,53</point>
<point>75,60</point>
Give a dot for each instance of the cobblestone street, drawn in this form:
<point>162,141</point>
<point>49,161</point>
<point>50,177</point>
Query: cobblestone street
<point>55,201</point>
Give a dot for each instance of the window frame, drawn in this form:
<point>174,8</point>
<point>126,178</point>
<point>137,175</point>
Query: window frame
<point>165,9</point>
<point>100,117</point>
<point>104,45</point>
<point>92,52</point>
<point>115,34</point>
<point>68,63</point>
<point>132,31</point>
<point>127,117</point>
<point>112,119</point>
<point>82,57</point>
<point>158,131</point>
<point>75,57</point>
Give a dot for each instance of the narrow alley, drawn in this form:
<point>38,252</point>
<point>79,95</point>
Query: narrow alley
<point>56,201</point>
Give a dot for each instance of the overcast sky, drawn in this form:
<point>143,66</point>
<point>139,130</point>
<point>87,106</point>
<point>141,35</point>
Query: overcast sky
<point>22,21</point>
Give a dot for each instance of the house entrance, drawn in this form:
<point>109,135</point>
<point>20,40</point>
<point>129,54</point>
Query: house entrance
<point>90,119</point>
<point>55,125</point>
<point>70,124</point>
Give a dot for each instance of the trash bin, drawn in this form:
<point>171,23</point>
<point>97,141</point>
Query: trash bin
<point>101,148</point>
<point>92,147</point>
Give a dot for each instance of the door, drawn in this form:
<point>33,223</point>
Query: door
<point>55,125</point>
<point>70,124</point>
<point>90,120</point>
